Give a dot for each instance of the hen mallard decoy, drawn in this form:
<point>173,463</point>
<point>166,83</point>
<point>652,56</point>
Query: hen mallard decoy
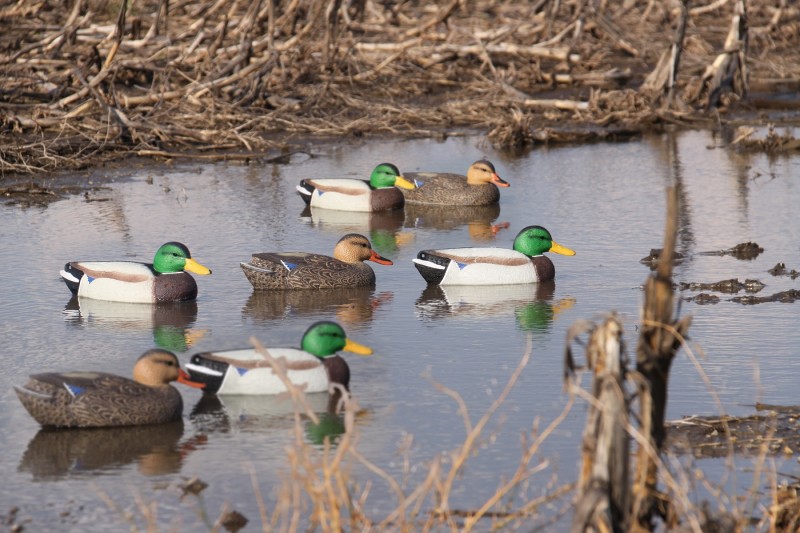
<point>478,187</point>
<point>525,263</point>
<point>166,279</point>
<point>380,193</point>
<point>301,270</point>
<point>315,365</point>
<point>96,399</point>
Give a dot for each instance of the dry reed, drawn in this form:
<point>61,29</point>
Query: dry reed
<point>86,81</point>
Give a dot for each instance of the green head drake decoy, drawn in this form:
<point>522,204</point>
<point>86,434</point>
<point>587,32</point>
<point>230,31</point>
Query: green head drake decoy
<point>301,270</point>
<point>166,279</point>
<point>478,187</point>
<point>526,263</point>
<point>380,193</point>
<point>96,399</point>
<point>315,365</point>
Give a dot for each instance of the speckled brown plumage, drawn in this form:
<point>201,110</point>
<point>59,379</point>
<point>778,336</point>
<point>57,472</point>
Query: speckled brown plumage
<point>96,399</point>
<point>437,188</point>
<point>300,270</point>
<point>450,189</point>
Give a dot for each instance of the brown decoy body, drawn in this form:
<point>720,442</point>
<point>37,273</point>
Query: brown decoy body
<point>478,187</point>
<point>301,270</point>
<point>97,399</point>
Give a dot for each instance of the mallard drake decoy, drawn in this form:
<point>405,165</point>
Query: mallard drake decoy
<point>96,399</point>
<point>478,187</point>
<point>301,270</point>
<point>525,263</point>
<point>315,365</point>
<point>380,193</point>
<point>166,279</point>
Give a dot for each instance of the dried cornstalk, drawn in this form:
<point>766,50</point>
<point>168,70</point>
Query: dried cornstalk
<point>660,83</point>
<point>660,337</point>
<point>603,501</point>
<point>729,70</point>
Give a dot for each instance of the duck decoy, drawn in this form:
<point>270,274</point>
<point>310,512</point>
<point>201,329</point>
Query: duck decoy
<point>525,263</point>
<point>315,365</point>
<point>96,399</point>
<point>301,270</point>
<point>166,279</point>
<point>379,193</point>
<point>478,187</point>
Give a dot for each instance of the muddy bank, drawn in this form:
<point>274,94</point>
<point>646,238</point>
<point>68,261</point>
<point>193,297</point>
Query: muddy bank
<point>85,82</point>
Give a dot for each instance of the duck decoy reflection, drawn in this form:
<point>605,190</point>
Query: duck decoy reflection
<point>55,454</point>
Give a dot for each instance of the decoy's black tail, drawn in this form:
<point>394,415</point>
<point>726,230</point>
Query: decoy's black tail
<point>306,190</point>
<point>72,277</point>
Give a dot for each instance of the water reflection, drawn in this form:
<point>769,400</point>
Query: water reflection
<point>55,454</point>
<point>221,414</point>
<point>480,220</point>
<point>170,323</point>
<point>532,305</point>
<point>384,228</point>
<point>351,306</point>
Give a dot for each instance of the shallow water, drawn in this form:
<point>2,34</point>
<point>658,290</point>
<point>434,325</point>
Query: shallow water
<point>606,201</point>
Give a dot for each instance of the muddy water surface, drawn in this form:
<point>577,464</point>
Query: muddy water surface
<point>605,201</point>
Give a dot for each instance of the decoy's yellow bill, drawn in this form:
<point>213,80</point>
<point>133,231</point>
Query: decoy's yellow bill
<point>403,183</point>
<point>352,346</point>
<point>195,267</point>
<point>563,250</point>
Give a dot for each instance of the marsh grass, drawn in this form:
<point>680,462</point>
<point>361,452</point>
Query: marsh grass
<point>332,486</point>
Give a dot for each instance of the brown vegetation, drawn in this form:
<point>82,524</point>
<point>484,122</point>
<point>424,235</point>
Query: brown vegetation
<point>84,81</point>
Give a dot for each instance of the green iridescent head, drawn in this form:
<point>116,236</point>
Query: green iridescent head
<point>387,175</point>
<point>535,240</point>
<point>175,257</point>
<point>325,338</point>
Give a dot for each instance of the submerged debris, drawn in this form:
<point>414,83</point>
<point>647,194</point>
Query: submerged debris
<point>776,432</point>
<point>745,251</point>
<point>702,299</point>
<point>728,286</point>
<point>233,521</point>
<point>773,142</point>
<point>786,297</point>
<point>781,270</point>
<point>655,253</point>
<point>193,486</point>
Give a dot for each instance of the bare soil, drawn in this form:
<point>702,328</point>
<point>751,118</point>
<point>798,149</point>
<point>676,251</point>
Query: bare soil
<point>84,82</point>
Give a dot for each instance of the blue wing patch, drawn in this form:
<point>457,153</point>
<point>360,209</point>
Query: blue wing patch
<point>418,183</point>
<point>89,279</point>
<point>74,390</point>
<point>288,266</point>
<point>241,371</point>
<point>461,266</point>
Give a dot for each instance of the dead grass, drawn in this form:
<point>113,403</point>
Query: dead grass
<point>90,82</point>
